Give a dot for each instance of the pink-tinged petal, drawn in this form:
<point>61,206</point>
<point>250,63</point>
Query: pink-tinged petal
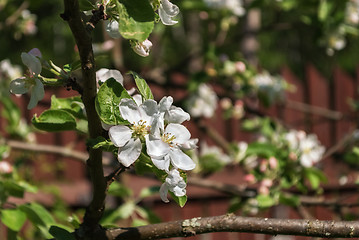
<point>32,62</point>
<point>182,135</point>
<point>163,192</point>
<point>156,147</point>
<point>120,135</point>
<point>129,153</point>
<point>163,163</point>
<point>35,52</point>
<point>177,115</point>
<point>180,160</point>
<point>129,110</point>
<point>18,86</point>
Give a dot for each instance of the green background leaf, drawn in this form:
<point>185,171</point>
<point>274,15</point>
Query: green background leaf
<point>54,121</point>
<point>107,102</point>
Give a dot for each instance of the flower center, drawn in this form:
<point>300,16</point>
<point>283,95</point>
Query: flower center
<point>168,138</point>
<point>140,129</point>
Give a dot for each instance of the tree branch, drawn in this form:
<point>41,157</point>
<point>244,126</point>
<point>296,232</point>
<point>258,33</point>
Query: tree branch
<point>84,43</point>
<point>232,223</point>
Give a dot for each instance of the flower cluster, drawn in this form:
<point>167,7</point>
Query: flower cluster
<point>158,125</point>
<point>31,82</point>
<point>305,147</point>
<point>268,86</point>
<point>352,12</point>
<point>166,11</point>
<point>203,102</point>
<point>235,6</point>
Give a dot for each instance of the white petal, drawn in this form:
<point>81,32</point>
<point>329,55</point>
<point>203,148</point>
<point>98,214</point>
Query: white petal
<point>156,147</point>
<point>178,191</point>
<point>129,153</point>
<point>165,103</point>
<point>150,107</point>
<point>32,62</point>
<point>129,110</point>
<point>120,135</point>
<point>104,74</point>
<point>38,89</point>
<point>162,164</point>
<point>163,192</point>
<point>106,126</point>
<point>18,86</point>
<point>171,9</point>
<point>182,135</point>
<point>177,115</point>
<point>112,29</point>
<point>37,94</point>
<point>166,11</point>
<point>181,160</point>
<point>137,97</point>
<point>143,48</point>
<point>190,144</point>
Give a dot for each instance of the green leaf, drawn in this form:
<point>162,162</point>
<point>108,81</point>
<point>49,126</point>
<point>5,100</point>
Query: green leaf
<point>265,201</point>
<point>142,86</point>
<point>131,28</point>
<point>13,218</point>
<point>61,233</point>
<point>315,177</point>
<point>54,121</point>
<point>123,212</point>
<point>181,201</point>
<point>39,216</point>
<point>119,190</point>
<point>71,105</point>
<point>13,188</point>
<point>289,200</point>
<point>101,142</point>
<point>324,10</point>
<point>265,150</point>
<point>139,10</point>
<point>86,5</point>
<point>107,102</point>
<point>149,191</point>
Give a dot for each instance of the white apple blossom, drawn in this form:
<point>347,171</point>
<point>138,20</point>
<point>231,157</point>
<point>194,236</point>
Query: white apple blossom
<point>204,102</point>
<point>167,11</point>
<point>31,82</point>
<point>168,113</point>
<point>112,28</point>
<point>9,71</point>
<point>307,147</point>
<point>5,167</point>
<point>235,6</point>
<point>216,152</point>
<point>142,48</point>
<point>128,139</point>
<point>352,12</point>
<point>167,149</point>
<point>174,183</point>
<point>104,74</point>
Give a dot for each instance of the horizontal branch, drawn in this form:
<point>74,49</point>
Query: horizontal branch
<point>232,223</point>
<point>44,148</point>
